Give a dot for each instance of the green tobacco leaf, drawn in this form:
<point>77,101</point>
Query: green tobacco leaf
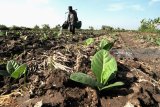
<point>104,66</point>
<point>19,71</point>
<point>11,66</point>
<point>108,46</point>
<point>89,41</point>
<point>84,79</point>
<point>4,73</point>
<point>105,44</point>
<point>116,84</point>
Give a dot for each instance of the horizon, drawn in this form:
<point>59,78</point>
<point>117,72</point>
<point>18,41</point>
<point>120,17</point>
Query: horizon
<point>116,13</point>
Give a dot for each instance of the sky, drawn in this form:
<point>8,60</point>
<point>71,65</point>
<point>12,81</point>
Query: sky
<point>116,13</point>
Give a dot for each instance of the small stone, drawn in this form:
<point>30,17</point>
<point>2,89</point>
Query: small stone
<point>135,102</point>
<point>36,79</point>
<point>39,71</point>
<point>156,97</point>
<point>142,41</point>
<point>42,84</point>
<point>146,99</point>
<point>136,89</point>
<point>21,81</point>
<point>130,96</point>
<point>128,104</point>
<point>131,77</point>
<point>38,104</point>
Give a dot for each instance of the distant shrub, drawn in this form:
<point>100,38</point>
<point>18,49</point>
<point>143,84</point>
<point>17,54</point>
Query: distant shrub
<point>15,28</point>
<point>2,33</point>
<point>26,28</point>
<point>108,28</point>
<point>57,27</point>
<point>45,27</point>
<point>91,28</point>
<point>3,27</point>
<point>36,27</point>
<point>150,25</point>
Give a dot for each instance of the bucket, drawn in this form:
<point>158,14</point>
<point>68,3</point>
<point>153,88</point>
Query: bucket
<point>78,24</point>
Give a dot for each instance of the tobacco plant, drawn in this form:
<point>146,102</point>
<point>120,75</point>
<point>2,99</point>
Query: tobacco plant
<point>88,41</point>
<point>104,67</point>
<point>14,70</point>
<point>105,44</point>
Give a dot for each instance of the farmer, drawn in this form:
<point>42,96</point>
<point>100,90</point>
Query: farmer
<point>72,19</point>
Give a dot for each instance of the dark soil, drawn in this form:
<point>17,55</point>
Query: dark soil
<point>48,86</point>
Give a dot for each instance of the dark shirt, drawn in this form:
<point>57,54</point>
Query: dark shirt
<point>72,17</point>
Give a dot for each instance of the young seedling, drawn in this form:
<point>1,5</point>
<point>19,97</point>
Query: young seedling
<point>104,67</point>
<point>14,70</point>
<point>105,44</point>
<point>88,41</point>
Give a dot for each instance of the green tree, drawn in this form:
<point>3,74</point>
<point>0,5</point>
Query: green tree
<point>108,28</point>
<point>57,27</point>
<point>45,27</point>
<point>149,25</point>
<point>14,27</point>
<point>91,27</point>
<point>3,27</point>
<point>36,27</point>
